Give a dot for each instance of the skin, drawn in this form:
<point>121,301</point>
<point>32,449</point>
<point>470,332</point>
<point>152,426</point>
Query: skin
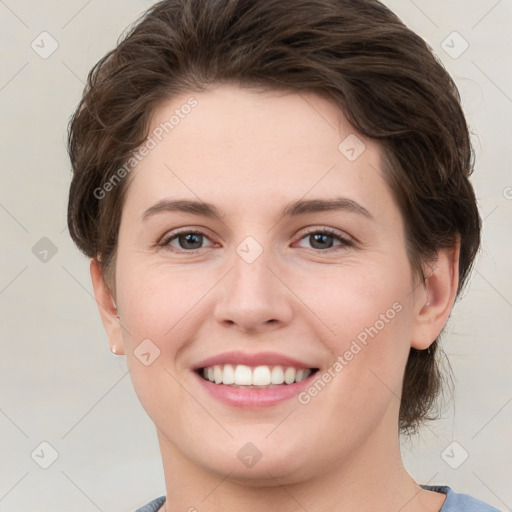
<point>250,153</point>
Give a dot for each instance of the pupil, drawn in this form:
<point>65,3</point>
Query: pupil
<point>189,239</point>
<point>319,237</point>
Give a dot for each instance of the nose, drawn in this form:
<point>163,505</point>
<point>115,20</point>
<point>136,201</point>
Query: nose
<point>253,296</point>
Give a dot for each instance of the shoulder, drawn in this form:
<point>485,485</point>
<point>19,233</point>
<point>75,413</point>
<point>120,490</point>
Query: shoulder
<point>152,506</point>
<point>459,502</point>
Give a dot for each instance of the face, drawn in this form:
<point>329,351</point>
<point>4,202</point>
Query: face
<point>270,273</point>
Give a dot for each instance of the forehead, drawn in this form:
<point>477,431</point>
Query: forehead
<point>247,146</point>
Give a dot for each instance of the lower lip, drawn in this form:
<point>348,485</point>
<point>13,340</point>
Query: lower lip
<point>253,398</point>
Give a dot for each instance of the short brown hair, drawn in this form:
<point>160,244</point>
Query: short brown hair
<point>384,78</point>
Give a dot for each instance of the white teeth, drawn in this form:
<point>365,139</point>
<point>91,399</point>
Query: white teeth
<point>277,375</point>
<point>243,375</point>
<point>301,375</point>
<point>228,376</point>
<point>289,375</point>
<point>217,374</point>
<point>261,376</point>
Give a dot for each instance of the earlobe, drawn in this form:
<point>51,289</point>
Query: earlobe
<point>107,308</point>
<point>433,309</point>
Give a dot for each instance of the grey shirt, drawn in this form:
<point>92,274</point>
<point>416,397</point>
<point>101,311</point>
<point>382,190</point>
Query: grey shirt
<point>454,502</point>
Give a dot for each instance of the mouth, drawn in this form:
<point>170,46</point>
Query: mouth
<point>252,381</point>
<point>254,377</point>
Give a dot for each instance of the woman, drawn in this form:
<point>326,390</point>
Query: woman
<point>275,199</point>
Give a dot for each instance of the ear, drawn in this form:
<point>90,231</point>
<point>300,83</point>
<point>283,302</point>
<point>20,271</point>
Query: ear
<point>434,305</point>
<point>107,309</point>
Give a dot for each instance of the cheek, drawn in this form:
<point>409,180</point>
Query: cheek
<point>356,299</point>
<point>157,312</point>
<point>368,312</point>
<point>157,302</point>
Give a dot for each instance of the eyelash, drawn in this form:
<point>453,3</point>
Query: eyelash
<point>345,242</point>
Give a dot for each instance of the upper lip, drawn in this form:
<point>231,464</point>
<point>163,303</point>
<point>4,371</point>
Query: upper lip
<point>257,359</point>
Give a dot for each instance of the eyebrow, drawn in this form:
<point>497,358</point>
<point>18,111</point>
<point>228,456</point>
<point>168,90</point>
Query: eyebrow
<point>293,209</point>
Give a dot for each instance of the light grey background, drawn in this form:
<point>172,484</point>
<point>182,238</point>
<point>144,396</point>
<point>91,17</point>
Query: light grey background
<point>59,382</point>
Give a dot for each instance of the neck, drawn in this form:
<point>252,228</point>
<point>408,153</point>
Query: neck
<point>370,476</point>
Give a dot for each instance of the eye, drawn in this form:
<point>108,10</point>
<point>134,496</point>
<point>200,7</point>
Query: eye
<point>323,239</point>
<point>187,241</point>
<point>190,240</point>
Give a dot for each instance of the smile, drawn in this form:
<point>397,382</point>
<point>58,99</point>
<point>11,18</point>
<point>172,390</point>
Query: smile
<point>289,382</point>
<point>259,377</point>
